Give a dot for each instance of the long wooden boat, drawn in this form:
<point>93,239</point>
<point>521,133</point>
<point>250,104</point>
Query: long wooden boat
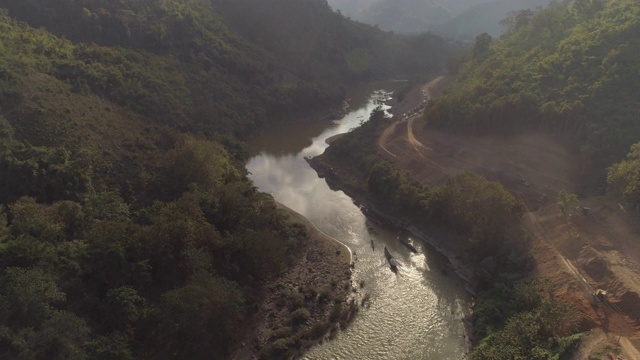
<point>392,261</point>
<point>405,242</point>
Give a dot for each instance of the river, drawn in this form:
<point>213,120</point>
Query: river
<point>414,314</point>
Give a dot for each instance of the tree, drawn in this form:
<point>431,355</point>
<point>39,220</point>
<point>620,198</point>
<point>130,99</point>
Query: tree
<point>565,199</point>
<point>27,297</point>
<point>587,8</point>
<point>484,210</point>
<point>482,45</point>
<point>624,177</point>
<point>62,336</point>
<point>517,20</point>
<point>197,321</point>
<point>203,163</point>
<point>4,230</point>
<point>122,307</point>
<point>523,337</point>
<point>31,326</point>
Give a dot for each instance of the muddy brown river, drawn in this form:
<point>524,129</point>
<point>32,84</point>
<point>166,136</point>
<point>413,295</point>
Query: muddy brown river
<point>414,314</point>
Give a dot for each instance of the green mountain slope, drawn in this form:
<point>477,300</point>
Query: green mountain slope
<point>567,69</point>
<point>129,226</point>
<point>330,46</point>
<point>287,55</point>
<point>213,67</point>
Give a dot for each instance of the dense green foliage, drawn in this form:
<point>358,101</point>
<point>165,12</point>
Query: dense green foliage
<point>172,278</point>
<point>224,66</point>
<point>43,172</point>
<point>624,177</point>
<point>570,68</point>
<point>170,270</point>
<point>523,321</point>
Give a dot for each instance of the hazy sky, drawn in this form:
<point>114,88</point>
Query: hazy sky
<point>355,7</point>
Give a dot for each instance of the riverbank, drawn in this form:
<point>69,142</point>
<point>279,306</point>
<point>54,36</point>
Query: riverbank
<point>305,303</point>
<point>343,178</point>
<point>325,242</point>
<point>447,245</point>
<point>332,172</point>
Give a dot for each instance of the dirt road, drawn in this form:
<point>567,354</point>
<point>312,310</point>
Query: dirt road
<point>579,253</point>
<point>408,110</point>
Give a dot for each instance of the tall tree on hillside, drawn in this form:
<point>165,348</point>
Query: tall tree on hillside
<point>482,45</point>
<point>624,177</point>
<point>565,199</point>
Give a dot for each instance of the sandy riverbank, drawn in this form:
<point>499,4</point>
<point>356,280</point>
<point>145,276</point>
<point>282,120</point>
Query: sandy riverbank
<point>321,241</point>
<point>333,138</point>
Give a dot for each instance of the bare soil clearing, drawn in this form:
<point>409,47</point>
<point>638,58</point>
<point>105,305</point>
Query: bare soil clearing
<point>579,253</point>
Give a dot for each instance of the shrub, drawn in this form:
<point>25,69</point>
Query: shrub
<point>300,316</point>
<point>318,330</point>
<point>335,312</point>
<point>281,332</point>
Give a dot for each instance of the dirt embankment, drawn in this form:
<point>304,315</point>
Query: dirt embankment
<point>581,252</point>
<point>315,281</point>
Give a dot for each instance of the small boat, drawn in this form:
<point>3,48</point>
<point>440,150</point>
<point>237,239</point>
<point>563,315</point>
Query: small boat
<point>392,261</point>
<point>409,246</point>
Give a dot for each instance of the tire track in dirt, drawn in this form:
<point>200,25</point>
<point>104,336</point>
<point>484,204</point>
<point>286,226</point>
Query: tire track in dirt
<point>382,141</point>
<point>415,143</point>
<point>614,319</point>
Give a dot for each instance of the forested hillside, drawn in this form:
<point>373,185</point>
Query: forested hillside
<point>285,55</point>
<point>120,237</point>
<point>128,226</point>
<point>568,69</point>
<point>331,47</point>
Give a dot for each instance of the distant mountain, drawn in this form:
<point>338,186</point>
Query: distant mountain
<point>452,18</point>
<point>484,17</point>
<point>352,8</point>
<point>359,8</point>
<point>407,16</point>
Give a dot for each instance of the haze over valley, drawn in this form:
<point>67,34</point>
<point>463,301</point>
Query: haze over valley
<point>458,19</point>
<point>278,179</point>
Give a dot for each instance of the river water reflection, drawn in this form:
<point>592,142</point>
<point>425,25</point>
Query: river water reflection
<point>414,314</point>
